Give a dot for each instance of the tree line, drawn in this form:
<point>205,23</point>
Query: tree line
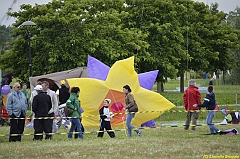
<point>172,36</point>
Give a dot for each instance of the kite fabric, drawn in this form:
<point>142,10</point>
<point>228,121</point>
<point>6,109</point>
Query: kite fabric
<point>94,91</point>
<point>98,70</point>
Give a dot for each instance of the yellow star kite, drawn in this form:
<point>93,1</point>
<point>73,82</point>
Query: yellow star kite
<point>94,91</point>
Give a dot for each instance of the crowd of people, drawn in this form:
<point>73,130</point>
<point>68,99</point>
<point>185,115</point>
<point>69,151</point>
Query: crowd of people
<point>46,103</point>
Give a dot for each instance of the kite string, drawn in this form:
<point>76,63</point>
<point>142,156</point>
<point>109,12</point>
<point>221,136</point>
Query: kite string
<point>187,52</point>
<point>140,25</point>
<point>120,113</point>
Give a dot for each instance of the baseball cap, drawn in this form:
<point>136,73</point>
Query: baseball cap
<point>38,88</point>
<point>62,82</point>
<point>108,100</point>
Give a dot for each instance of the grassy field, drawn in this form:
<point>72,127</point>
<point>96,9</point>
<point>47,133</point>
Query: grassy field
<point>225,94</point>
<point>225,97</point>
<point>161,142</point>
<point>154,143</point>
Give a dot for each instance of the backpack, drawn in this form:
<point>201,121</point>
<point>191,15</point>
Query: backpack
<point>235,119</point>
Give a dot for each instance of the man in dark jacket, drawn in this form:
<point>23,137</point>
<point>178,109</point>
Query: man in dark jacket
<point>63,95</point>
<point>41,106</point>
<point>210,103</point>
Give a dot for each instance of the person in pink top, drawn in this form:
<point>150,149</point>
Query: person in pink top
<point>191,96</point>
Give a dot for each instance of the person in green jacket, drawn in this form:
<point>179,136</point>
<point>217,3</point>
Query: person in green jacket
<point>74,104</point>
<point>24,90</point>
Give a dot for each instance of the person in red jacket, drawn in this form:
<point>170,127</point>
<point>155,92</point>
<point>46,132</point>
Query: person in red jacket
<point>191,96</point>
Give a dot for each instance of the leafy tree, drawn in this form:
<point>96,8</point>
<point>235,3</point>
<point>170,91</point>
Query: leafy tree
<point>171,36</point>
<point>5,37</point>
<point>208,40</point>
<point>183,35</point>
<point>234,20</point>
<point>71,30</point>
<point>159,20</point>
<point>222,41</point>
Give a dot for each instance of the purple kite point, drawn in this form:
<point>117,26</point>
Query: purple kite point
<point>149,123</point>
<point>147,79</point>
<point>97,69</point>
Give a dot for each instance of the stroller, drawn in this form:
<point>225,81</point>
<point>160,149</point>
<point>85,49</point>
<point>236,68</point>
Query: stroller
<point>62,119</point>
<point>4,116</point>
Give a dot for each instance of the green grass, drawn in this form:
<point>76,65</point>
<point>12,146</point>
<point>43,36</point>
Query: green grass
<point>225,94</point>
<point>154,143</point>
<point>161,142</point>
<point>225,97</point>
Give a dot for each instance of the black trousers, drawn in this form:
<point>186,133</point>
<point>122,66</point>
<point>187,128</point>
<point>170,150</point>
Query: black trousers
<point>105,125</point>
<point>50,123</point>
<point>16,127</point>
<point>41,125</point>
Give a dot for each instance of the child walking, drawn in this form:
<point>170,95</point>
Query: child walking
<point>105,118</point>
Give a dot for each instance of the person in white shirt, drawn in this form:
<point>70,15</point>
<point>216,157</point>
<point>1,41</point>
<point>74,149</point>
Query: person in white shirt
<point>33,94</point>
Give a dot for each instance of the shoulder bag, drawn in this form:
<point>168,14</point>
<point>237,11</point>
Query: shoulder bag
<point>68,111</point>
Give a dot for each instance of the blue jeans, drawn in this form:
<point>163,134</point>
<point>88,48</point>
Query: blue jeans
<point>129,118</point>
<point>75,124</point>
<point>209,119</point>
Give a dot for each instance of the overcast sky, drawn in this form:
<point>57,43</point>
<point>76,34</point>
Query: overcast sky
<point>224,5</point>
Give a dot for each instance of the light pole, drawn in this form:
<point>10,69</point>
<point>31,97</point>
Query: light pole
<point>29,24</point>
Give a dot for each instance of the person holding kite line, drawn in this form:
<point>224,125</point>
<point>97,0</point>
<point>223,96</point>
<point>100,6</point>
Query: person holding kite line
<point>131,109</point>
<point>210,104</point>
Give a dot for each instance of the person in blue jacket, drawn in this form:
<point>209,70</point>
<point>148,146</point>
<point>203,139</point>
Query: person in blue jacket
<point>210,104</point>
<point>17,108</point>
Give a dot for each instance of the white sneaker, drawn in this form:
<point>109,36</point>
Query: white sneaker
<point>139,133</point>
